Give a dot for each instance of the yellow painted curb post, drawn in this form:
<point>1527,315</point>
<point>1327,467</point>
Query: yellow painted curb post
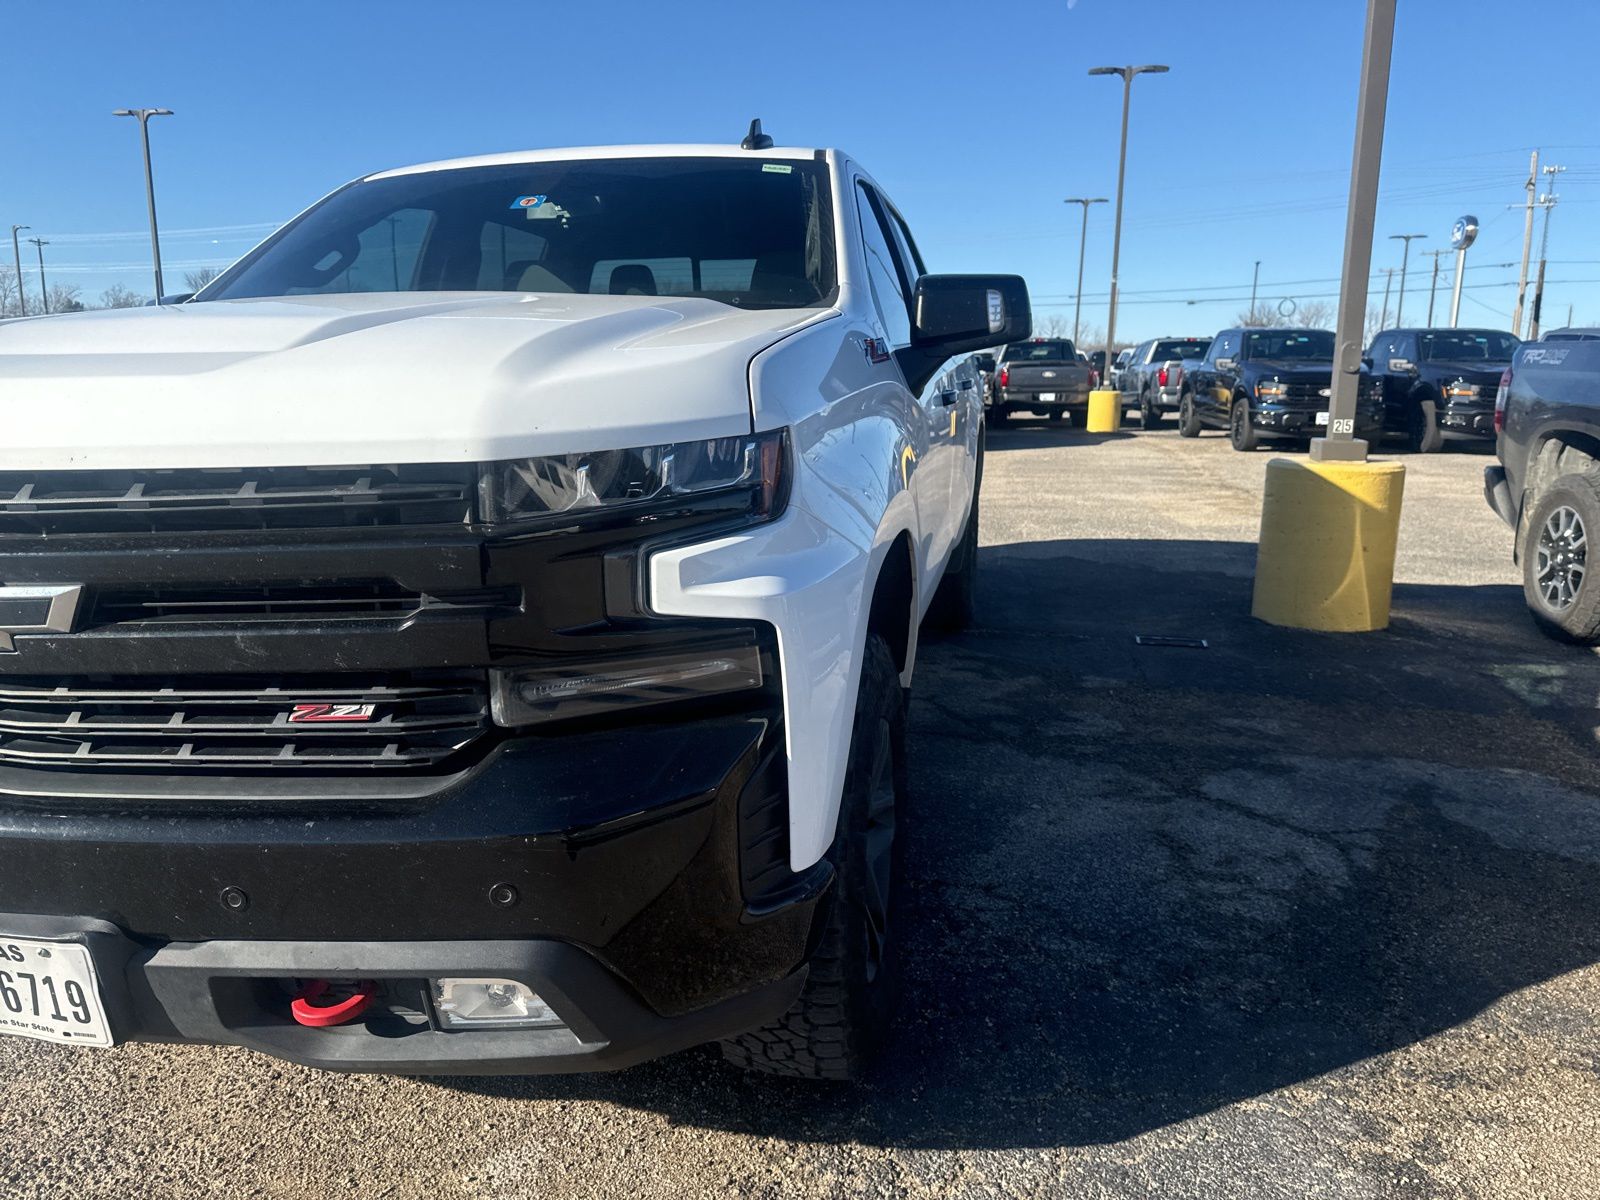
<point>1105,411</point>
<point>1328,534</point>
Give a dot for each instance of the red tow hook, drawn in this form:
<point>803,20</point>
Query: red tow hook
<point>341,1011</point>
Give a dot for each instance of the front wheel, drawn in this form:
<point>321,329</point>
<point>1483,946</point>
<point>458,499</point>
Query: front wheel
<point>1422,429</point>
<point>836,1025</point>
<point>1241,429</point>
<point>1564,599</point>
<point>1188,419</point>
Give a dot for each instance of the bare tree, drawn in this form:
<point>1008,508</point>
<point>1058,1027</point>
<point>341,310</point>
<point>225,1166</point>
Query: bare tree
<point>1315,314</point>
<point>1054,325</point>
<point>1259,317</point>
<point>121,296</point>
<point>8,293</point>
<point>64,298</point>
<point>198,279</point>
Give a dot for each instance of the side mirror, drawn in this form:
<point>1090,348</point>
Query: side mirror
<point>1402,366</point>
<point>954,314</point>
<point>1366,361</point>
<point>1224,364</point>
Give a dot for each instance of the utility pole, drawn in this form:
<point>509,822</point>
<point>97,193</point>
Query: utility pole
<point>1433,287</point>
<point>1405,261</point>
<point>1527,245</point>
<point>1548,203</point>
<point>16,250</point>
<point>1126,74</point>
<point>144,115</point>
<point>1083,243</point>
<point>44,295</point>
<point>1388,282</point>
<point>1254,279</point>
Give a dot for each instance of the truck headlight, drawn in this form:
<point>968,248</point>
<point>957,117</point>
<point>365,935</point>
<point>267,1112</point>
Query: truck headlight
<point>699,668</point>
<point>1272,388</point>
<point>556,485</point>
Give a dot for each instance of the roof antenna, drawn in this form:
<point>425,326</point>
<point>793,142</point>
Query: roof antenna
<point>755,139</point>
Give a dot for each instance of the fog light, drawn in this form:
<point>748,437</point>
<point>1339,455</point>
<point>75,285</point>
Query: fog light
<point>490,1004</point>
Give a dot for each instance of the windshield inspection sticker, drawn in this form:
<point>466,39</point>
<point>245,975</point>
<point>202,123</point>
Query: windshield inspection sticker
<point>777,168</point>
<point>528,201</point>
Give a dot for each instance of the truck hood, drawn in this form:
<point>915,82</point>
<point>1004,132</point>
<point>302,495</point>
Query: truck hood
<point>376,378</point>
<point>1481,373</point>
<point>1297,369</point>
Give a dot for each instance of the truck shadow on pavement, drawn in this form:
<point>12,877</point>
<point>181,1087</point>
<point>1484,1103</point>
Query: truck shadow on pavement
<point>1021,434</point>
<point>1147,883</point>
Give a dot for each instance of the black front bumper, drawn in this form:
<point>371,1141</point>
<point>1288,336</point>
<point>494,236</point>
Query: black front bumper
<point>1468,418</point>
<point>1300,421</point>
<point>609,870</point>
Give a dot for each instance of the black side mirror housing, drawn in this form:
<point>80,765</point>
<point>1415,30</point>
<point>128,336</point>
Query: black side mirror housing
<point>955,314</point>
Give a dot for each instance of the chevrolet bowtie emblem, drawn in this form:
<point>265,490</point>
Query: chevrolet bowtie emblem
<point>37,608</point>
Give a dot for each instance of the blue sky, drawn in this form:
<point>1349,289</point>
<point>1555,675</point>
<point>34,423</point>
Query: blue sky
<point>977,118</point>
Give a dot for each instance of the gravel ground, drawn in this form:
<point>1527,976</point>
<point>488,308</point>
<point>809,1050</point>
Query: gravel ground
<point>1294,915</point>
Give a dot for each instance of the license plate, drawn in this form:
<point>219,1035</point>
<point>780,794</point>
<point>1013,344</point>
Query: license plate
<point>48,991</point>
<point>1047,397</point>
<point>1322,418</point>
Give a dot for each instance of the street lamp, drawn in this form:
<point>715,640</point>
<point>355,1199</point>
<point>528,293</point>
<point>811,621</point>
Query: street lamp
<point>144,115</point>
<point>1405,259</point>
<point>44,295</point>
<point>1127,74</point>
<point>16,250</point>
<point>1083,241</point>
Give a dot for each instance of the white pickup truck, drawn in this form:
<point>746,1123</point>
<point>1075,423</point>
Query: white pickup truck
<point>472,635</point>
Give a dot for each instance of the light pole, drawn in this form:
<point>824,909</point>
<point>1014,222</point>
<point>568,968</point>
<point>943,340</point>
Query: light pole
<point>1388,285</point>
<point>144,115</point>
<point>1433,287</point>
<point>1548,203</point>
<point>44,295</point>
<point>1083,242</point>
<point>1255,278</point>
<point>16,250</point>
<point>1405,261</point>
<point>1126,74</point>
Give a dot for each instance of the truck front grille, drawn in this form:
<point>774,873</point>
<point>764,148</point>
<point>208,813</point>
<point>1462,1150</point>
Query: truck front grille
<point>236,724</point>
<point>184,501</point>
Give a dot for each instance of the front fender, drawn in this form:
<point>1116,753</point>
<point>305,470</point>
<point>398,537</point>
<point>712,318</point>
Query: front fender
<point>856,442</point>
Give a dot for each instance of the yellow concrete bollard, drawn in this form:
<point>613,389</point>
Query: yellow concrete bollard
<point>1328,533</point>
<point>1105,411</point>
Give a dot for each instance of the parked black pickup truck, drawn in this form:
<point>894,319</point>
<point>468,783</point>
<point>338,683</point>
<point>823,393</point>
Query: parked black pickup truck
<point>1275,383</point>
<point>1439,383</point>
<point>1547,483</point>
<point>1042,376</point>
<point>1150,382</point>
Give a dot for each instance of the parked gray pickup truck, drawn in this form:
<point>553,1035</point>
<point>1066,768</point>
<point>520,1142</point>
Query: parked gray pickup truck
<point>1150,383</point>
<point>1043,377</point>
<point>1547,483</point>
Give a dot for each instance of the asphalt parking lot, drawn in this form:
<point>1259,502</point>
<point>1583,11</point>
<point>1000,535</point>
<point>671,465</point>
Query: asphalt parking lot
<point>1292,915</point>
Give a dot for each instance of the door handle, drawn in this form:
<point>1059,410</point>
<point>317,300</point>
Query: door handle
<point>947,397</point>
<point>966,385</point>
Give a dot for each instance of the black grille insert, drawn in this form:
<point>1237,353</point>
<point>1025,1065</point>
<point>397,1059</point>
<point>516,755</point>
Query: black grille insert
<point>243,724</point>
<point>124,501</point>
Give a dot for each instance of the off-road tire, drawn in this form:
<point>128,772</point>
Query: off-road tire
<point>1188,419</point>
<point>1578,621</point>
<point>1241,429</point>
<point>1422,429</point>
<point>835,1026</point>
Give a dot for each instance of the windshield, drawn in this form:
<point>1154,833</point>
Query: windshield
<point>1313,344</point>
<point>754,233</point>
<point>1181,348</point>
<point>1043,350</point>
<point>1467,345</point>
